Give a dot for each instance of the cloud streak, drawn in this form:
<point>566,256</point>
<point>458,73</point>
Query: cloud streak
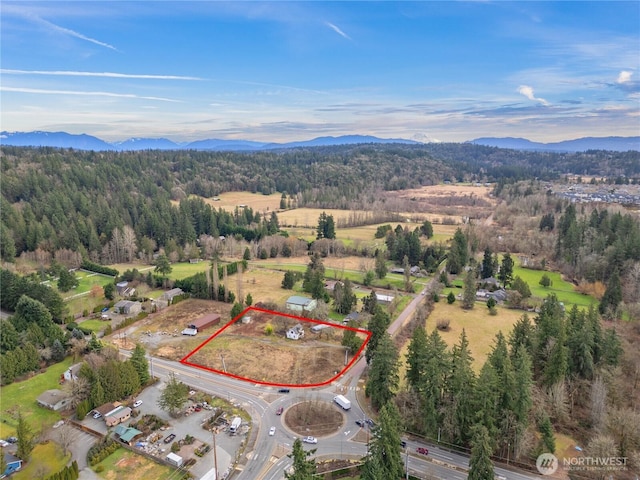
<point>624,77</point>
<point>527,91</point>
<point>83,93</point>
<point>73,33</point>
<point>336,29</point>
<point>96,74</point>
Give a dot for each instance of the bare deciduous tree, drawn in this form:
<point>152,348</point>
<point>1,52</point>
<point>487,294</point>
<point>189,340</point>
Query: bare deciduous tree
<point>598,403</point>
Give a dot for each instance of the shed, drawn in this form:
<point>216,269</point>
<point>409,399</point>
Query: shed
<point>13,464</point>
<point>169,294</point>
<point>192,332</point>
<point>384,299</point>
<point>318,327</point>
<point>174,459</point>
<point>54,400</point>
<point>299,304</point>
<point>352,316</point>
<point>127,307</point>
<point>127,434</point>
<point>206,321</point>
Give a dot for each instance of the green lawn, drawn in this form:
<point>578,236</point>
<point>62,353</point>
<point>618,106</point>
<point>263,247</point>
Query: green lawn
<point>22,396</point>
<point>126,464</point>
<point>564,290</point>
<point>46,459</point>
<point>94,325</point>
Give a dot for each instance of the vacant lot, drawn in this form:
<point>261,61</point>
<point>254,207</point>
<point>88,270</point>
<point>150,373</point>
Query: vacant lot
<point>125,464</point>
<point>314,418</point>
<point>480,327</point>
<point>314,358</point>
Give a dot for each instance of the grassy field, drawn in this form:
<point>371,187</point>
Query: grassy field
<point>126,464</point>
<point>94,325</point>
<point>480,327</point>
<point>564,290</point>
<point>22,396</point>
<point>46,459</point>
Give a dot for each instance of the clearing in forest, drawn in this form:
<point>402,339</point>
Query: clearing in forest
<point>277,349</point>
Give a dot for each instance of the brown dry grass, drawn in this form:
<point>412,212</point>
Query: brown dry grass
<point>480,327</point>
<point>314,418</point>
<point>230,200</point>
<point>313,359</point>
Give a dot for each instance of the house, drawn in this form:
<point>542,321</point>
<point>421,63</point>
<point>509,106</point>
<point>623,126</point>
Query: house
<point>295,333</point>
<point>353,316</point>
<point>170,294</point>
<point>206,321</point>
<point>117,416</point>
<point>105,409</point>
<point>330,285</point>
<point>384,299</point>
<point>127,307</point>
<point>124,290</point>
<point>13,464</point>
<point>54,400</point>
<point>71,373</point>
<point>301,304</point>
<point>127,434</point>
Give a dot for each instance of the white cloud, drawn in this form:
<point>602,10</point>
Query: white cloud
<point>527,91</point>
<point>73,33</point>
<point>624,77</point>
<point>95,74</point>
<point>80,92</point>
<point>337,30</point>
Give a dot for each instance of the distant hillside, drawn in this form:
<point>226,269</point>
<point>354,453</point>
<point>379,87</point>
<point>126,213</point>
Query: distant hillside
<point>618,144</point>
<point>87,142</point>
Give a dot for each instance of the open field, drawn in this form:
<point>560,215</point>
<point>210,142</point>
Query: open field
<point>230,200</point>
<point>312,359</point>
<point>565,291</point>
<point>46,459</point>
<point>22,396</point>
<point>480,327</point>
<point>125,464</point>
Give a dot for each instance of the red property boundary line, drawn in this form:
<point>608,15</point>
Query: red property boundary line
<point>185,360</point>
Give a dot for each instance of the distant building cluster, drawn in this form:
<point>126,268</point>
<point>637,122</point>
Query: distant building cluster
<point>580,193</point>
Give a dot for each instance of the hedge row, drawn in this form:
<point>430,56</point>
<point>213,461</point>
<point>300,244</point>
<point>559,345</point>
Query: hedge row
<point>95,267</point>
<point>99,452</point>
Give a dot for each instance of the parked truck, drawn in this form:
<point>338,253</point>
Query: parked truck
<point>342,401</point>
<point>235,425</point>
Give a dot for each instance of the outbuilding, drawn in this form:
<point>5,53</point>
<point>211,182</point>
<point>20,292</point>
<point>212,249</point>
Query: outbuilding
<point>301,304</point>
<point>174,459</point>
<point>205,322</point>
<point>54,400</point>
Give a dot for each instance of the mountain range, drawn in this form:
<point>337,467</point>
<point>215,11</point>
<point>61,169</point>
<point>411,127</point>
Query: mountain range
<point>88,142</point>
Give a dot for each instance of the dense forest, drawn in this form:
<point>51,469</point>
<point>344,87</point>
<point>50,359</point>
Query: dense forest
<point>99,203</point>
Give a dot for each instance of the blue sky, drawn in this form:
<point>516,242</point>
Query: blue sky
<point>286,71</point>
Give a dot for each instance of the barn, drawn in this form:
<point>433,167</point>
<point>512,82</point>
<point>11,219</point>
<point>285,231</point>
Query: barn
<point>205,322</point>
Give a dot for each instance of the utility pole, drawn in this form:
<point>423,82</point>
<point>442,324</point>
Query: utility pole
<point>224,367</point>
<point>215,455</point>
<point>406,463</point>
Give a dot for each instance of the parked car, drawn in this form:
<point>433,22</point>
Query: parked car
<point>310,440</point>
<point>169,438</point>
<point>370,422</point>
<point>137,403</point>
<point>279,411</point>
<point>12,440</point>
<point>97,415</point>
<point>422,451</point>
<point>360,423</point>
<point>403,444</point>
<point>3,443</point>
<point>284,390</point>
<point>272,431</point>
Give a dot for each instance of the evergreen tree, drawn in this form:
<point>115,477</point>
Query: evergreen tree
<point>521,287</point>
<point>458,253</point>
<point>459,404</point>
<point>304,468</point>
<point>506,270</point>
<point>427,229</point>
<point>9,339</point>
<point>128,378</point>
<point>139,361</point>
<point>480,465</point>
<point>522,335</point>
<point>487,399</point>
<point>236,310</point>
<point>326,227</point>
<point>612,348</point>
<point>57,351</point>
<point>384,448</point>
<point>97,394</point>
<point>163,266</point>
<point>550,352</point>
<point>522,393</point>
<point>545,281</point>
<point>451,298</point>
<point>433,383</point>
<point>579,345</point>
<point>26,438</point>
<point>249,300</point>
<point>247,254</point>
<point>174,395</point>
<point>67,280</point>
<point>487,264</point>
<point>345,299</point>
<point>417,355</point>
<point>289,280</point>
<point>469,292</point>
<point>380,265</point>
<point>110,291</point>
<point>548,440</point>
<point>612,296</point>
<point>383,379</point>
<point>378,327</point>
<point>370,303</point>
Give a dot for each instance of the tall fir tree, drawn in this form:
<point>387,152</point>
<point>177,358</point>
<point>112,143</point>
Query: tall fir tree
<point>480,465</point>
<point>383,379</point>
<point>384,448</point>
<point>303,468</point>
<point>139,361</point>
